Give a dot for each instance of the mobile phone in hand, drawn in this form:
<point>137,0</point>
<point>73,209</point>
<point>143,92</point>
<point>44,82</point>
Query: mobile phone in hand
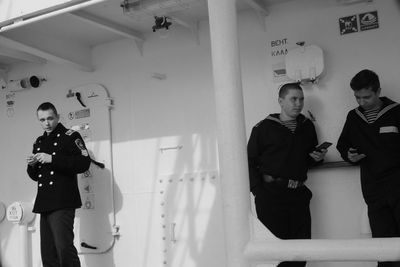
<point>324,145</point>
<point>353,150</point>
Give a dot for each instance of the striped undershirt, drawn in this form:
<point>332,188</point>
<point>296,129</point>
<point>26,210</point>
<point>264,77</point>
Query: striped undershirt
<point>291,125</point>
<point>371,114</point>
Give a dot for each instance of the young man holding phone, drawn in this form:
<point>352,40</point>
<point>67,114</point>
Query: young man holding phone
<point>58,155</point>
<point>370,138</point>
<point>281,149</point>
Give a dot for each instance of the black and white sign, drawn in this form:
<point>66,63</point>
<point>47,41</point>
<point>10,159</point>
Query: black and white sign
<point>368,21</point>
<point>348,24</point>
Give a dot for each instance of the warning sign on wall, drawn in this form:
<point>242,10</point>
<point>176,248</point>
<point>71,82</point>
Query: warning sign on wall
<point>360,22</point>
<point>368,21</point>
<point>348,24</point>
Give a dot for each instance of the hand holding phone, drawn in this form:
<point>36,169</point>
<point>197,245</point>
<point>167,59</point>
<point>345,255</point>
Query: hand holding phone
<point>324,145</point>
<point>31,159</point>
<point>353,150</point>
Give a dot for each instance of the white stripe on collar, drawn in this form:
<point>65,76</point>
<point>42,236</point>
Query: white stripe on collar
<point>383,111</point>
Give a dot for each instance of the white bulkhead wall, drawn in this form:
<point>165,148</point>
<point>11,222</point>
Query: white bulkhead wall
<point>153,118</point>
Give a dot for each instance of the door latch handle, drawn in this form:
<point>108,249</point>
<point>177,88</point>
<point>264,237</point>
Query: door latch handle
<point>173,238</point>
<point>85,245</point>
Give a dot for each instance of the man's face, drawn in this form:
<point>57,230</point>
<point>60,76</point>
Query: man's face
<point>367,98</point>
<point>292,104</point>
<point>48,119</point>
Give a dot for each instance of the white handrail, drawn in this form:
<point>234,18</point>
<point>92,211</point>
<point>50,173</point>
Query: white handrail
<point>369,249</point>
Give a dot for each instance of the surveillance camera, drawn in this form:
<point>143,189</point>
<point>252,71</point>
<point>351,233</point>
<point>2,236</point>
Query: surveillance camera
<point>161,22</point>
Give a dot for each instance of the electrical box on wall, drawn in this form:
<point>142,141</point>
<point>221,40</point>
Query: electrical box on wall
<point>304,63</point>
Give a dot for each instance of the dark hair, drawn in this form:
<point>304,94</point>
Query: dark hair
<point>47,106</point>
<point>365,79</point>
<point>283,90</point>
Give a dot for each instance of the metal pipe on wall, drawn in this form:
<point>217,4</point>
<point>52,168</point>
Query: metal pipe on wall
<point>23,233</point>
<point>55,11</point>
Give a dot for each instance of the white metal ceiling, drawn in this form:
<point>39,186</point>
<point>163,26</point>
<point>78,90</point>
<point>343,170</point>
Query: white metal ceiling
<point>80,30</point>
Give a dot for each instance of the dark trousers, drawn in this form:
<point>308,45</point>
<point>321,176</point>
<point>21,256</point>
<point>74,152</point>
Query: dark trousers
<point>286,213</point>
<point>384,219</point>
<point>57,239</point>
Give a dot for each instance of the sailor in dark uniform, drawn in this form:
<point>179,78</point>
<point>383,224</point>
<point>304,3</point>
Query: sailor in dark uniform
<point>281,150</point>
<point>58,156</point>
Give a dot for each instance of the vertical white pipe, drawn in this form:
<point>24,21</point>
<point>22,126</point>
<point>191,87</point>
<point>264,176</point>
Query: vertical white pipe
<point>23,233</point>
<point>231,129</point>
